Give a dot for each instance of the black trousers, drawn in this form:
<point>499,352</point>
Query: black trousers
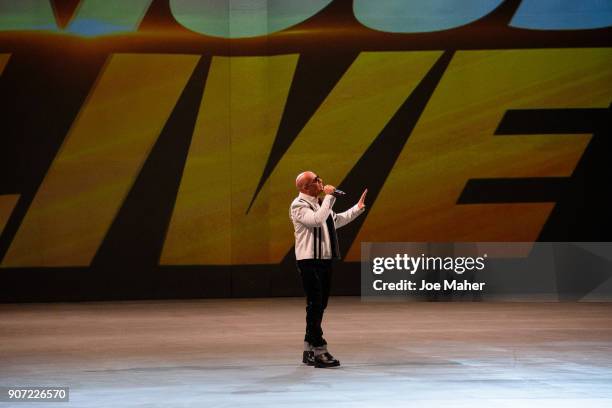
<point>316,279</point>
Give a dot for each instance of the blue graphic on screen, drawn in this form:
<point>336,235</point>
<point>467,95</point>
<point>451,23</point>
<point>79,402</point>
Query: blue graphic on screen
<point>563,14</point>
<point>421,16</point>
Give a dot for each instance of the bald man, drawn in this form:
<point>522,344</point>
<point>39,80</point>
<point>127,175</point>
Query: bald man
<point>316,244</point>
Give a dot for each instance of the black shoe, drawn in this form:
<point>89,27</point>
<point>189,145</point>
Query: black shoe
<point>325,360</point>
<point>308,358</point>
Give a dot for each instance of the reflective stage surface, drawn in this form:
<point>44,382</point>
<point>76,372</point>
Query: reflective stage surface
<point>247,352</point>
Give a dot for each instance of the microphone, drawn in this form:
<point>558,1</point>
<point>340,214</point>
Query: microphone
<point>338,193</point>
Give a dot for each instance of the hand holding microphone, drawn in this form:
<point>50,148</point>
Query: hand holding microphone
<point>329,189</point>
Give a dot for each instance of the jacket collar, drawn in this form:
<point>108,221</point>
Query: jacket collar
<point>309,198</point>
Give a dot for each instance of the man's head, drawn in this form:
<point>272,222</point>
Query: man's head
<point>309,183</point>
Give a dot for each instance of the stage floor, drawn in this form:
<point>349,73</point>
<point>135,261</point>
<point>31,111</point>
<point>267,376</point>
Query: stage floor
<point>247,352</point>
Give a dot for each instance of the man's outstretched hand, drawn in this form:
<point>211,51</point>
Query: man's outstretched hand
<point>361,202</point>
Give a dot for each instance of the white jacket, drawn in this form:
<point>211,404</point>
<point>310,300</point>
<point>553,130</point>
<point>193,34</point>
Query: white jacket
<point>312,238</point>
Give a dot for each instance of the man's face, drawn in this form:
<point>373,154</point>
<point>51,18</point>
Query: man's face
<point>315,185</point>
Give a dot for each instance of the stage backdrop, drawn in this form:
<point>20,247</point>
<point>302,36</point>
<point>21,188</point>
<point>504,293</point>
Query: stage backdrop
<point>149,148</point>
